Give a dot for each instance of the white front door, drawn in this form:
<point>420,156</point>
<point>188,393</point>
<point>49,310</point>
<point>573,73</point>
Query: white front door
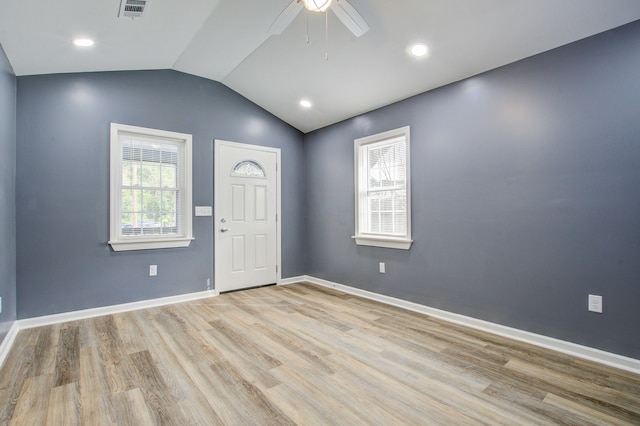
<point>246,197</point>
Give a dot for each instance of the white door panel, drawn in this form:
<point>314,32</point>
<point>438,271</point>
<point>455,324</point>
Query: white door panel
<point>247,202</point>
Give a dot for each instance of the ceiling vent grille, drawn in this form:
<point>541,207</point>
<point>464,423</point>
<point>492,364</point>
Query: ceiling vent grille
<point>133,8</point>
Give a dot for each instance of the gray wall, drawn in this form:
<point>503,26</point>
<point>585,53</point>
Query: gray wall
<point>526,191</point>
<point>63,260</point>
<point>7,195</point>
<point>526,195</point>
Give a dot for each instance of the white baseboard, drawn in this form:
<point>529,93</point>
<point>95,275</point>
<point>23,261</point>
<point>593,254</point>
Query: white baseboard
<point>113,309</point>
<point>579,351</point>
<point>292,280</point>
<point>7,343</point>
<point>23,324</point>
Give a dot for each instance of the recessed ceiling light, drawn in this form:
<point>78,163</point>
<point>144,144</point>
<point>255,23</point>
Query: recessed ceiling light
<point>305,103</point>
<point>83,42</point>
<point>419,49</point>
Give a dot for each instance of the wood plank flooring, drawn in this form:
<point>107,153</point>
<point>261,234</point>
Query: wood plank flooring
<point>299,354</point>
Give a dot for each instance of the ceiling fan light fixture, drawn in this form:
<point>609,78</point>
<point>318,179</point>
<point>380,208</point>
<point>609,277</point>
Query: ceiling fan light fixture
<point>317,5</point>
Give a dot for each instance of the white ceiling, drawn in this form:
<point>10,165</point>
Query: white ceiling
<point>227,41</point>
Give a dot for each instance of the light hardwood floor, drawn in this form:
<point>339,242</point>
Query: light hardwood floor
<point>299,354</point>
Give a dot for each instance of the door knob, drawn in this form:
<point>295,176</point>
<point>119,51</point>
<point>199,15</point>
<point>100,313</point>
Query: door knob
<point>224,229</point>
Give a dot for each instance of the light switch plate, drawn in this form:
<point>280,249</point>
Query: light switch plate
<point>203,210</point>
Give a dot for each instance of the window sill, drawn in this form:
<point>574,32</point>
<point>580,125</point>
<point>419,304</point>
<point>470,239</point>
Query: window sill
<point>150,244</point>
<point>393,243</point>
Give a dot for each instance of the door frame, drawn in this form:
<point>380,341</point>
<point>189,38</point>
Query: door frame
<point>216,212</point>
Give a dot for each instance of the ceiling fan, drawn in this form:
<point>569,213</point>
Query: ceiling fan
<point>347,14</point>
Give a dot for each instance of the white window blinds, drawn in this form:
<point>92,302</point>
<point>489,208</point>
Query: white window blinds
<point>386,188</point>
<point>150,187</point>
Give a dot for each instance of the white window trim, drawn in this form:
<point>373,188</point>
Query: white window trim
<point>123,243</point>
<point>377,240</point>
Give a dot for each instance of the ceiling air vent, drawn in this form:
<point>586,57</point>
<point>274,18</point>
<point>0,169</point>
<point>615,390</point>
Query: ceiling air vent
<point>133,8</point>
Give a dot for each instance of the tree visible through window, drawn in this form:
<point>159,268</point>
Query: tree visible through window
<point>149,188</point>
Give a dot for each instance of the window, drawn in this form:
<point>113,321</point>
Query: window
<point>248,168</point>
<point>150,188</point>
<point>383,197</point>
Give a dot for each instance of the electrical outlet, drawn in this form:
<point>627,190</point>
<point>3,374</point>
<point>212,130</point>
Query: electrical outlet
<point>383,269</point>
<point>153,270</point>
<point>595,303</point>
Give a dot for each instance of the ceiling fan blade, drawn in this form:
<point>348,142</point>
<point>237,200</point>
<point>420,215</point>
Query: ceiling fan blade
<point>350,17</point>
<point>285,18</point>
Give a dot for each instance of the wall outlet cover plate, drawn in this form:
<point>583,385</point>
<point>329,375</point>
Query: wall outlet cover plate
<point>595,303</point>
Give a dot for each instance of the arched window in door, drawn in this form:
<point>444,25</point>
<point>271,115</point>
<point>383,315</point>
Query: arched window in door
<point>249,169</point>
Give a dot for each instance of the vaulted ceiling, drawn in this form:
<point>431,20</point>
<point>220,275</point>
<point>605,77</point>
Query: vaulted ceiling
<point>228,41</point>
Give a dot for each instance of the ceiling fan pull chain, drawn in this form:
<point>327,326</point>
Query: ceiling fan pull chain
<point>307,14</point>
<point>326,36</point>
